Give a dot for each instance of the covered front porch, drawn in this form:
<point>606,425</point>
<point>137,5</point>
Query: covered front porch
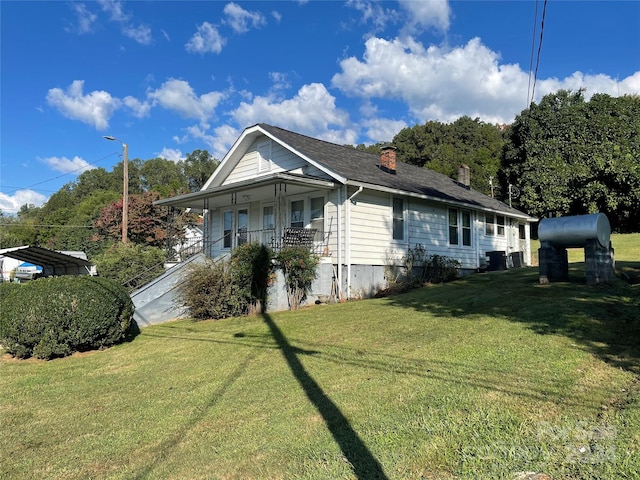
<point>278,210</point>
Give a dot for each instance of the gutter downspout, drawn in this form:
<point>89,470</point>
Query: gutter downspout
<point>339,242</point>
<point>350,200</point>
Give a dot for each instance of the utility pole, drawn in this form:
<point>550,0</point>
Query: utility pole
<point>125,188</point>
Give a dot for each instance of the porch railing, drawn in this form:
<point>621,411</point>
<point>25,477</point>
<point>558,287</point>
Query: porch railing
<point>291,237</point>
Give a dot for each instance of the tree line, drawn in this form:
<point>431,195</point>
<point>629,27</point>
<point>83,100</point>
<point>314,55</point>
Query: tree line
<point>565,155</point>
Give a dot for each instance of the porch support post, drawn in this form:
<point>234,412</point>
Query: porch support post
<point>206,234</point>
<point>340,240</point>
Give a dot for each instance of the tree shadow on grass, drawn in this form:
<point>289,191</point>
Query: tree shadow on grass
<point>602,319</point>
<point>365,466</point>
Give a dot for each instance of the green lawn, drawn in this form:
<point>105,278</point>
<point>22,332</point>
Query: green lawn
<point>481,378</point>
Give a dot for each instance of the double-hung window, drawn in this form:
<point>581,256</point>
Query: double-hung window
<point>500,225</point>
<point>308,213</point>
<point>489,224</point>
<point>398,219</point>
<point>494,224</point>
<point>227,226</point>
<point>459,227</point>
<point>316,213</point>
<point>466,227</point>
<point>296,218</point>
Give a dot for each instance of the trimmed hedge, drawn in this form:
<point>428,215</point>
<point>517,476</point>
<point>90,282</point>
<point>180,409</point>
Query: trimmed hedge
<point>57,316</point>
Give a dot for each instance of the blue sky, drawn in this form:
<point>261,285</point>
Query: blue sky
<point>171,77</point>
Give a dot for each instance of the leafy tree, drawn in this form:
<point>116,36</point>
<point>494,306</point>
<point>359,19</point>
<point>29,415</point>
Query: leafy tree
<point>374,148</point>
<point>95,198</point>
<point>444,147</point>
<point>571,157</point>
<point>10,231</point>
<point>198,167</point>
<point>163,176</point>
<point>148,224</point>
<point>90,181</point>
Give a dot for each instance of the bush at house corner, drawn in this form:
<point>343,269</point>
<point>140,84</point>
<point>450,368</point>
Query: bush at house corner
<point>57,316</point>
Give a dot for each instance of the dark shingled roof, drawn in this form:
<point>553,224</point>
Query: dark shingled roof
<point>358,166</point>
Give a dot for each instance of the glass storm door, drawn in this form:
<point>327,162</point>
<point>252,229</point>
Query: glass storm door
<point>235,225</point>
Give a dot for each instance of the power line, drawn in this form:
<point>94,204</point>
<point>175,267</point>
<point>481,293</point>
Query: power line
<point>535,75</point>
<point>533,47</point>
<point>29,187</point>
<point>23,225</point>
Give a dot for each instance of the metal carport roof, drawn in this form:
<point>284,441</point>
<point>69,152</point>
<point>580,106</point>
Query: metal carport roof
<point>51,261</point>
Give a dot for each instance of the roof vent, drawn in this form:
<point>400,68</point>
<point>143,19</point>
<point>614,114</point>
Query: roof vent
<point>388,159</point>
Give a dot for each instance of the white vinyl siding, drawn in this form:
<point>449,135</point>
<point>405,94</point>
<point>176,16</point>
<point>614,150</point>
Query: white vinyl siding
<point>266,157</point>
<point>370,228</point>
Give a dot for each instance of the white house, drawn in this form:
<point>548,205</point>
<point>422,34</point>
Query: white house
<point>359,210</point>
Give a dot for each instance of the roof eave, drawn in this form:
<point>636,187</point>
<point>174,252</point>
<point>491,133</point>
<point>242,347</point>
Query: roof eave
<point>190,200</point>
<point>457,203</point>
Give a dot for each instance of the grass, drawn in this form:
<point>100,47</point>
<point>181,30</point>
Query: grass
<point>481,378</point>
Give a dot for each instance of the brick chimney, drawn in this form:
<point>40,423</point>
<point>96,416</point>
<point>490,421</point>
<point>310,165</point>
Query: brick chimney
<point>464,175</point>
<point>388,159</point>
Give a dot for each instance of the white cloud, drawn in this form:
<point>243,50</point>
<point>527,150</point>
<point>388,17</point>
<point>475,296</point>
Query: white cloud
<point>436,83</point>
<point>591,84</point>
<point>95,108</point>
<point>206,39</point>
<point>311,111</point>
<point>374,13</point>
<point>12,203</point>
<point>439,83</point>
<point>114,8</point>
<point>383,130</point>
<point>423,15</point>
<point>280,81</point>
<point>240,20</point>
<point>217,143</point>
<point>86,19</point>
<point>178,96</point>
<point>171,154</point>
<point>141,34</point>
<point>139,109</point>
<point>65,165</point>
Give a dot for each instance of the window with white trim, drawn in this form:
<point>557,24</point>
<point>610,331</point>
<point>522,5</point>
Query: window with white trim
<point>489,224</point>
<point>500,225</point>
<point>296,214</point>
<point>459,227</point>
<point>227,227</point>
<point>268,217</point>
<point>316,214</point>
<point>466,228</point>
<point>494,224</point>
<point>453,227</point>
<point>398,219</point>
